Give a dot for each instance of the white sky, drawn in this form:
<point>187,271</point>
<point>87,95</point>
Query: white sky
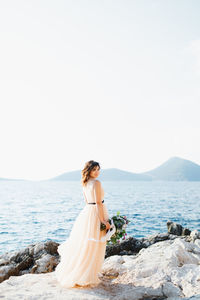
<point>114,81</point>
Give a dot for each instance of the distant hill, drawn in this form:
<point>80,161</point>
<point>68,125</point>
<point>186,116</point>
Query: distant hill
<point>176,169</point>
<point>105,174</point>
<point>117,174</point>
<point>11,179</point>
<point>72,176</point>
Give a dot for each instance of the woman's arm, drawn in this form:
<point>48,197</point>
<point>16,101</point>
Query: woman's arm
<point>84,197</point>
<point>99,205</point>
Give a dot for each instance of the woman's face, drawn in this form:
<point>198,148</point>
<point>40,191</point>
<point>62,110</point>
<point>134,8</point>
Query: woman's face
<point>95,172</point>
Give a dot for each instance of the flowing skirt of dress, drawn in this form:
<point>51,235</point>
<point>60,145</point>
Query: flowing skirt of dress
<point>82,254</point>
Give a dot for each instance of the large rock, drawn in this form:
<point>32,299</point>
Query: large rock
<point>177,229</point>
<point>36,258</point>
<point>132,245</point>
<point>171,268</point>
<point>168,269</point>
<point>43,257</point>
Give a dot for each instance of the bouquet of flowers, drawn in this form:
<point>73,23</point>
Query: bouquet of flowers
<point>120,223</point>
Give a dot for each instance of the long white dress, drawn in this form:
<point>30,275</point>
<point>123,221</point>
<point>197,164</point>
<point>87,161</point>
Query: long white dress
<point>83,253</point>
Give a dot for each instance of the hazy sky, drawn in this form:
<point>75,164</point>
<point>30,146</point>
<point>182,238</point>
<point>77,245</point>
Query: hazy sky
<point>114,81</point>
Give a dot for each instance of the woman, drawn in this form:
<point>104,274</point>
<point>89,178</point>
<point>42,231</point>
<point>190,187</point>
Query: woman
<point>82,254</point>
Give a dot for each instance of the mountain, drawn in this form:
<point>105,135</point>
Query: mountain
<point>117,174</point>
<point>105,174</point>
<point>176,169</point>
<point>72,176</point>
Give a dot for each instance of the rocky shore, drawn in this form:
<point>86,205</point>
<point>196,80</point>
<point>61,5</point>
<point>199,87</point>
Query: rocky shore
<point>160,266</point>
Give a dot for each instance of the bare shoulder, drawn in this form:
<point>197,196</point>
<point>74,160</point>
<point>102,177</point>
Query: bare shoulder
<point>97,183</point>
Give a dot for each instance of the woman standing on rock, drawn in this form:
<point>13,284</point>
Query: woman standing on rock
<point>82,254</point>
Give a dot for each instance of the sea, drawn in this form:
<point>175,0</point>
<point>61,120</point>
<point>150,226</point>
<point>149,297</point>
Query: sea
<point>38,211</point>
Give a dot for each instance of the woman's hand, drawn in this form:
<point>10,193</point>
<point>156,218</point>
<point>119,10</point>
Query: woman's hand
<point>107,225</point>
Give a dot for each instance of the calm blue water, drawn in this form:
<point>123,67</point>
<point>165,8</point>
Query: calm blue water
<point>45,210</point>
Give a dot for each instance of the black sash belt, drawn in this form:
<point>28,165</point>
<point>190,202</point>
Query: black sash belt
<point>94,202</point>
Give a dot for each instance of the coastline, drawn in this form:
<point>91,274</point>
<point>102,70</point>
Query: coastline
<point>160,266</point>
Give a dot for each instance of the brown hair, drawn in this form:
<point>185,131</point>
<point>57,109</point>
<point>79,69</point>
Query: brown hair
<point>89,165</point>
